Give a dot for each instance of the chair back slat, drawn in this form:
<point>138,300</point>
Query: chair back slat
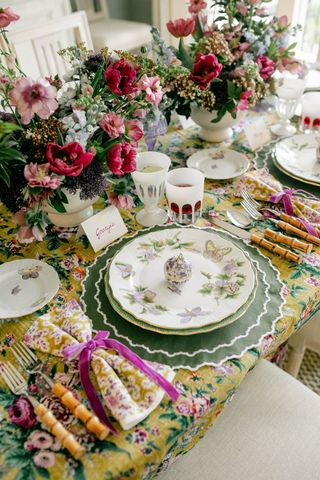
<point>36,48</point>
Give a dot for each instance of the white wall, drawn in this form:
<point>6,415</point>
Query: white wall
<point>137,10</point>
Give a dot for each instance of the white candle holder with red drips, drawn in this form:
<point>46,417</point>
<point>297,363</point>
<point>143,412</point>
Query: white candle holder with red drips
<point>184,192</point>
<point>149,180</point>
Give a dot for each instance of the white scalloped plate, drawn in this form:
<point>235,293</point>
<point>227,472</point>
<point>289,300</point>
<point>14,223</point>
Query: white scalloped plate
<point>217,164</point>
<point>26,286</point>
<point>296,156</point>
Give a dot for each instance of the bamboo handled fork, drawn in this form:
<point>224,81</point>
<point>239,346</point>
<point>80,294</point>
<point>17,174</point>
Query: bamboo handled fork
<point>287,227</point>
<point>18,386</point>
<point>29,360</point>
<point>295,222</point>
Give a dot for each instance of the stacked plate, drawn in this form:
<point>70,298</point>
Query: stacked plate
<point>296,156</point>
<point>221,289</point>
<point>232,301</point>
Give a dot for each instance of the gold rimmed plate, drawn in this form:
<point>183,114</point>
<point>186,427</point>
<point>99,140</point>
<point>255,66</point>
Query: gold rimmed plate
<point>296,157</point>
<point>222,281</point>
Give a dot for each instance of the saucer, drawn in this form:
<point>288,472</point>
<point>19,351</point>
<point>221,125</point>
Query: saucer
<point>218,164</point>
<point>26,286</point>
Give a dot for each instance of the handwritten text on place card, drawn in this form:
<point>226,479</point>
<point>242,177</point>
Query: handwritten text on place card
<point>103,228</point>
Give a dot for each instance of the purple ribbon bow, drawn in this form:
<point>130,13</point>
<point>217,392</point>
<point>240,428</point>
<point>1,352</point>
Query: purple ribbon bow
<point>285,196</point>
<point>84,352</point>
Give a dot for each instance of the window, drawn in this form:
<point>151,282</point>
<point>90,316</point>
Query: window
<point>307,14</point>
<point>310,43</point>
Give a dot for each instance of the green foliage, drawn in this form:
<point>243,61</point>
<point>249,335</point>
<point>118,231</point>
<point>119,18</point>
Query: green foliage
<point>237,363</point>
<point>37,217</point>
<point>54,242</point>
<point>10,154</point>
<point>110,447</point>
<point>42,472</point>
<point>6,128</point>
<point>58,201</point>
<point>97,79</point>
<point>184,56</point>
<point>6,399</point>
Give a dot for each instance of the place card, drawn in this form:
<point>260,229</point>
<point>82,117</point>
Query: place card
<point>103,228</point>
<point>257,133</point>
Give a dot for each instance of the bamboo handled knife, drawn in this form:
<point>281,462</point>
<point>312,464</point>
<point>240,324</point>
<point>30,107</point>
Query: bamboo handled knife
<point>257,239</point>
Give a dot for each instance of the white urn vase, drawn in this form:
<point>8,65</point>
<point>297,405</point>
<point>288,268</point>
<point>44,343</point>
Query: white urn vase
<point>214,132</point>
<point>77,210</point>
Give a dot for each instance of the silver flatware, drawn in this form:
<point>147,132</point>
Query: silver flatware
<point>29,360</point>
<point>258,240</point>
<point>294,221</point>
<point>18,386</point>
<point>239,219</point>
<point>287,227</point>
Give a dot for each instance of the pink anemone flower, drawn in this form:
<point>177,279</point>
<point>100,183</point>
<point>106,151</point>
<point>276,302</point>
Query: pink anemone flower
<point>33,98</point>
<point>7,16</point>
<point>152,87</point>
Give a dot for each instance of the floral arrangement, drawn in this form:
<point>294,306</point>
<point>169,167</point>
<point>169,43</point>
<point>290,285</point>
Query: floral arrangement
<point>76,134</point>
<point>229,64</point>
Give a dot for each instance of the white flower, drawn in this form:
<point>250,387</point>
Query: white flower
<point>247,57</point>
<point>67,92</point>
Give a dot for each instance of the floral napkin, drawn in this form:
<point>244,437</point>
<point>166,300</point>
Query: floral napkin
<point>128,393</point>
<point>262,186</point>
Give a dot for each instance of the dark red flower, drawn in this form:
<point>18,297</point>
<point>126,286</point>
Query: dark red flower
<point>120,78</point>
<point>121,158</point>
<point>205,69</point>
<point>266,66</point>
<point>68,160</point>
<point>21,413</point>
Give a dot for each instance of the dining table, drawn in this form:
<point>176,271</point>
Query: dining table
<point>205,388</point>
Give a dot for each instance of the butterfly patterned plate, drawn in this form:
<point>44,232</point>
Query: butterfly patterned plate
<point>181,331</point>
<point>26,286</point>
<point>222,279</point>
<point>296,156</point>
<point>218,164</point>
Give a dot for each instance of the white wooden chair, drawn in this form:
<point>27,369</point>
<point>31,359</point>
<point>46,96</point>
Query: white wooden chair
<point>307,337</point>
<point>36,47</point>
<point>269,431</point>
<point>110,32</point>
<point>45,11</point>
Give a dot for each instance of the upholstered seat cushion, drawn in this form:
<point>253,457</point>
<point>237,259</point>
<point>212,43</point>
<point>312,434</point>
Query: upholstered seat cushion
<point>270,431</point>
<point>119,34</point>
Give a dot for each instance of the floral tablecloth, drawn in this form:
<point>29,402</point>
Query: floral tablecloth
<point>172,429</point>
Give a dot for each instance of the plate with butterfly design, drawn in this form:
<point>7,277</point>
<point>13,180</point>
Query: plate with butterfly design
<point>222,280</point>
<point>26,285</point>
<point>217,164</point>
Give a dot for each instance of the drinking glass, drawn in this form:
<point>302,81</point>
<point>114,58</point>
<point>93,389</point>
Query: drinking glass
<point>289,92</point>
<point>149,180</point>
<point>184,192</point>
<point>310,112</point>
